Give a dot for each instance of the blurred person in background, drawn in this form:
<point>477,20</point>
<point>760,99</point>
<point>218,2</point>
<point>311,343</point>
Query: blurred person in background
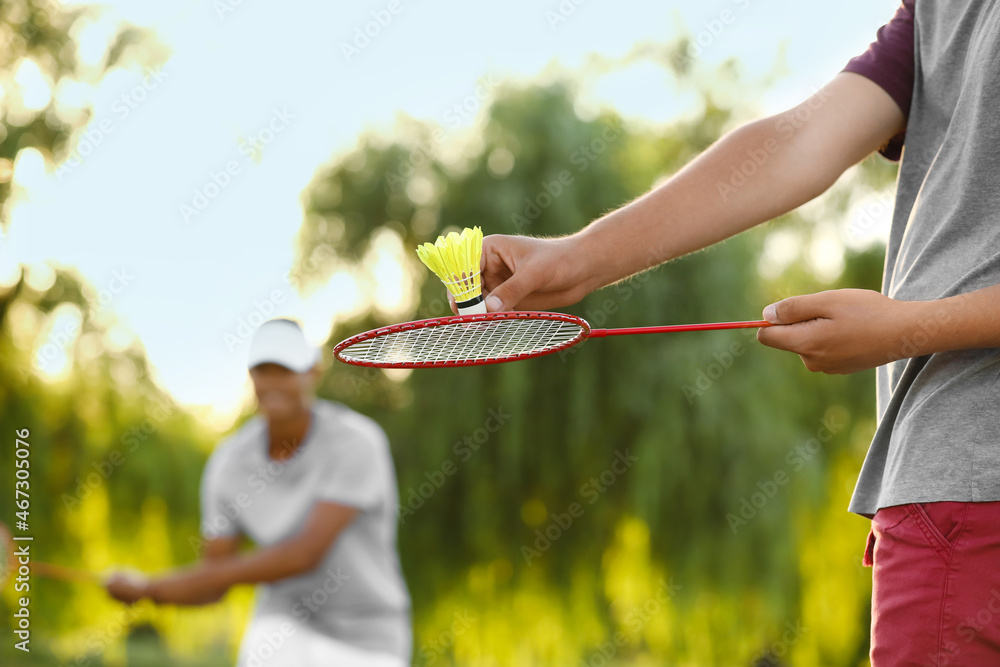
<point>312,484</point>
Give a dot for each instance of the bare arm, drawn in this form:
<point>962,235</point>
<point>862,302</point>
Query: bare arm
<point>755,173</point>
<point>211,578</point>
<point>848,330</point>
<point>216,550</point>
<point>223,567</point>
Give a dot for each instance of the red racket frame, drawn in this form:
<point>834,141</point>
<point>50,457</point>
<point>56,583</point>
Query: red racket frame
<point>585,333</point>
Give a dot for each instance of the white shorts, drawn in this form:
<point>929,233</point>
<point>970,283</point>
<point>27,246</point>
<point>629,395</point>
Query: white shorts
<point>274,640</point>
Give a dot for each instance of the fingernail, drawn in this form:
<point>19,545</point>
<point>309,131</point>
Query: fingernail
<point>769,313</point>
<point>493,304</point>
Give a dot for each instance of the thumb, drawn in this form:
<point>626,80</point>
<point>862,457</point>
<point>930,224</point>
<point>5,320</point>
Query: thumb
<point>510,292</point>
<point>795,309</point>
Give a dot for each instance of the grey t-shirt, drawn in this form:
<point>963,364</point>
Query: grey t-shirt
<point>357,594</point>
<point>938,436</point>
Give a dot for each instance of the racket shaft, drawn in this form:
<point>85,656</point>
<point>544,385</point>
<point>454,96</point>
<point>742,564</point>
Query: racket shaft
<point>50,571</point>
<point>708,326</point>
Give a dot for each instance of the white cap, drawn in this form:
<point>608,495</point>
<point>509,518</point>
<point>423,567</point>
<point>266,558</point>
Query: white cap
<point>282,342</point>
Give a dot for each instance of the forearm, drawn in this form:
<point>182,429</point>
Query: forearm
<point>209,580</point>
<point>191,587</point>
<point>700,205</point>
<point>753,174</point>
<point>849,330</point>
<point>966,321</point>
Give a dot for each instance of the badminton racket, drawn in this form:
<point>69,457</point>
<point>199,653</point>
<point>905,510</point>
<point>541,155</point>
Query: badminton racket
<point>12,564</point>
<point>491,338</point>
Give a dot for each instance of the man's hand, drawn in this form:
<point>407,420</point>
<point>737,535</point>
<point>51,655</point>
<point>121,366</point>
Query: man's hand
<point>842,331</point>
<point>128,587</point>
<point>208,581</point>
<point>193,586</point>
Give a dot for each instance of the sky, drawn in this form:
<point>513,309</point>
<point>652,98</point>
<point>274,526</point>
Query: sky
<point>182,199</point>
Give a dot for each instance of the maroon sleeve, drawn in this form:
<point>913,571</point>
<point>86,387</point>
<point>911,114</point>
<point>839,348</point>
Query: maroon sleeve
<point>889,63</point>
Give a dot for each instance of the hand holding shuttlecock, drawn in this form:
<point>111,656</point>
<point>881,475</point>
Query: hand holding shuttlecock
<point>455,260</point>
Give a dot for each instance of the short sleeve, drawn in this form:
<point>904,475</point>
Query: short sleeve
<point>889,62</point>
<point>216,521</point>
<point>354,472</point>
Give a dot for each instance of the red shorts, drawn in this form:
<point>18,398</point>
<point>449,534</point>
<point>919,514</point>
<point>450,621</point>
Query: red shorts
<point>936,584</point>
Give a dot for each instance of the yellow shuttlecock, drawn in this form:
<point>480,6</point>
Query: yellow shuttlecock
<point>455,260</point>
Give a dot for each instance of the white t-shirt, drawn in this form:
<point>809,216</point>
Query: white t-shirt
<point>357,594</point>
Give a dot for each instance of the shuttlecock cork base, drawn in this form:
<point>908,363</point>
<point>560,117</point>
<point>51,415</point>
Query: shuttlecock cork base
<point>455,260</point>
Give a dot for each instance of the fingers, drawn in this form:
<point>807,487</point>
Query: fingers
<point>511,292</point>
<point>498,261</point>
<point>507,277</point>
<point>796,309</point>
<point>791,337</point>
<point>528,273</point>
<point>801,319</point>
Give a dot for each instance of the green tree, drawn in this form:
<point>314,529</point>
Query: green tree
<point>734,444</point>
<point>39,33</point>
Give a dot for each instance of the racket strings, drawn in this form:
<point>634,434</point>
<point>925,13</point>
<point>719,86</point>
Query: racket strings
<point>469,342</point>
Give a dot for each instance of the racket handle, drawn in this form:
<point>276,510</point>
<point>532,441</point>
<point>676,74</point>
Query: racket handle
<point>708,326</point>
<point>62,573</point>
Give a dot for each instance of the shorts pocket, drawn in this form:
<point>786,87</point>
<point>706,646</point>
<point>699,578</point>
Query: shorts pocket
<point>888,518</point>
<point>942,523</point>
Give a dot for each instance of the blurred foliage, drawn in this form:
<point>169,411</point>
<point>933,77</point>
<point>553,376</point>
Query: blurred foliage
<point>115,467</point>
<point>725,541</point>
<point>44,34</point>
<point>712,419</point>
